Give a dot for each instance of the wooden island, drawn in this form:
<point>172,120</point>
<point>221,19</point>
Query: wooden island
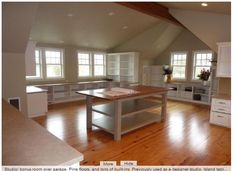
<point>124,113</point>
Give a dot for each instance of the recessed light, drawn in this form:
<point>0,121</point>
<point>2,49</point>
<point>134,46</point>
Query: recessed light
<point>111,13</point>
<point>204,4</point>
<point>124,27</point>
<point>70,15</point>
<point>61,41</point>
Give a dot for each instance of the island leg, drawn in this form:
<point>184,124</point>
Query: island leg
<point>117,120</point>
<point>89,111</point>
<point>163,108</point>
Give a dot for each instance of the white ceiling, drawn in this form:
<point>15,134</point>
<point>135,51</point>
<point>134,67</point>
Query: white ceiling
<point>215,7</point>
<point>90,24</point>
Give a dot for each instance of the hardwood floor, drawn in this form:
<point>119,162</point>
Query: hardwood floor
<point>185,138</point>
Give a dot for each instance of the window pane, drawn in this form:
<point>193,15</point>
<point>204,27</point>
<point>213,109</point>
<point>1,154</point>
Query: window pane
<point>202,60</point>
<point>84,70</point>
<point>98,59</point>
<point>179,72</point>
<point>38,71</point>
<point>179,61</point>
<point>53,57</point>
<point>98,70</point>
<point>54,71</point>
<point>83,58</point>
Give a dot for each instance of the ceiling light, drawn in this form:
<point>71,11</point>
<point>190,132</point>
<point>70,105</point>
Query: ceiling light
<point>124,27</point>
<point>61,41</point>
<point>204,4</point>
<point>111,13</point>
<point>70,15</point>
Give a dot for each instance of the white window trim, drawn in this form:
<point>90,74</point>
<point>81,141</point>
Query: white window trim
<point>193,62</point>
<point>34,78</point>
<point>43,65</point>
<point>91,58</point>
<point>104,65</point>
<point>90,64</point>
<point>186,66</point>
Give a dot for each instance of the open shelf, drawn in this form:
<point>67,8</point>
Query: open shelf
<point>129,108</point>
<point>128,123</point>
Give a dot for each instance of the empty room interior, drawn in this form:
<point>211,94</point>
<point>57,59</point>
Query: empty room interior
<point>84,82</point>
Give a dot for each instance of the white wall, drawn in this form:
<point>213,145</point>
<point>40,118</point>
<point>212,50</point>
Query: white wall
<point>13,77</point>
<point>208,27</point>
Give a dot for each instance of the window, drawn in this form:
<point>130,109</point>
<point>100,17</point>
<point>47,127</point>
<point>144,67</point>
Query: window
<point>84,63</point>
<point>202,60</point>
<point>99,64</point>
<point>38,64</point>
<point>178,62</point>
<point>49,64</point>
<point>91,64</point>
<point>54,63</point>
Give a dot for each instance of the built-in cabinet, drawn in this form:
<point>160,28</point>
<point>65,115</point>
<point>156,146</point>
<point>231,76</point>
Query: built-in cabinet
<point>221,111</point>
<point>224,60</point>
<point>193,91</point>
<point>64,92</point>
<point>190,92</point>
<point>123,67</point>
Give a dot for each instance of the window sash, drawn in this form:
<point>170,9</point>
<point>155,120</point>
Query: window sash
<point>176,59</point>
<point>198,56</point>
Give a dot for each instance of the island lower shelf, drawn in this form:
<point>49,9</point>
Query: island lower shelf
<point>129,108</point>
<point>128,124</point>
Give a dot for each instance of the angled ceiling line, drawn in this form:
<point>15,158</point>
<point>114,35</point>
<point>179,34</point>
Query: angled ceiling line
<point>153,9</point>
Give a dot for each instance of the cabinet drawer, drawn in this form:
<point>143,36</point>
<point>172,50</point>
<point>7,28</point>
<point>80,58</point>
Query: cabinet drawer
<point>220,105</point>
<point>220,119</point>
<point>221,102</point>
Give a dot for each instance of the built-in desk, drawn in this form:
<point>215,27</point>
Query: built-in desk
<point>24,142</point>
<point>124,113</point>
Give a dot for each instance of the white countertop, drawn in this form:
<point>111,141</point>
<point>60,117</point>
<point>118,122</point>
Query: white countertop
<point>24,142</point>
<point>33,89</point>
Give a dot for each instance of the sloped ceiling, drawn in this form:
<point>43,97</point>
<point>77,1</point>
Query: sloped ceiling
<point>208,27</point>
<point>152,41</point>
<point>213,7</point>
<point>17,20</point>
<point>95,25</point>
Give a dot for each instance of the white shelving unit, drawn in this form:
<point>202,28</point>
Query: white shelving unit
<point>64,92</point>
<point>134,115</point>
<point>123,66</point>
<point>195,93</point>
<point>224,60</point>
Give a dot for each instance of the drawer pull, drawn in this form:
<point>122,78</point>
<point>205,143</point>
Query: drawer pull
<point>221,102</point>
<point>220,109</point>
<point>219,116</point>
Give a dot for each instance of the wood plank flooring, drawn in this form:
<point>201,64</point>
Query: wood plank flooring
<point>185,138</point>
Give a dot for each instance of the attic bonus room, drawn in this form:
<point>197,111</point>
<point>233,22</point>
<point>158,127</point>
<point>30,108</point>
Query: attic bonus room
<point>84,82</point>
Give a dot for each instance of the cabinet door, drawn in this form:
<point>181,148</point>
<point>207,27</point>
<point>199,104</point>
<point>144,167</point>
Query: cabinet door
<point>224,60</point>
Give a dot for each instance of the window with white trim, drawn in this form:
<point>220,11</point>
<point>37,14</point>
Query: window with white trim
<point>202,60</point>
<point>54,63</point>
<point>38,65</point>
<point>179,62</point>
<point>84,64</point>
<point>49,64</point>
<point>91,64</point>
<point>99,64</point>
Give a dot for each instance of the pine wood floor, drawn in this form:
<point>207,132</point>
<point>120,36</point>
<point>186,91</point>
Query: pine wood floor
<point>185,138</point>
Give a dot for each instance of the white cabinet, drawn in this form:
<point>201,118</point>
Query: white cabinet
<point>30,66</point>
<point>221,112</point>
<point>157,78</point>
<point>36,101</point>
<point>224,60</point>
<point>123,66</point>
